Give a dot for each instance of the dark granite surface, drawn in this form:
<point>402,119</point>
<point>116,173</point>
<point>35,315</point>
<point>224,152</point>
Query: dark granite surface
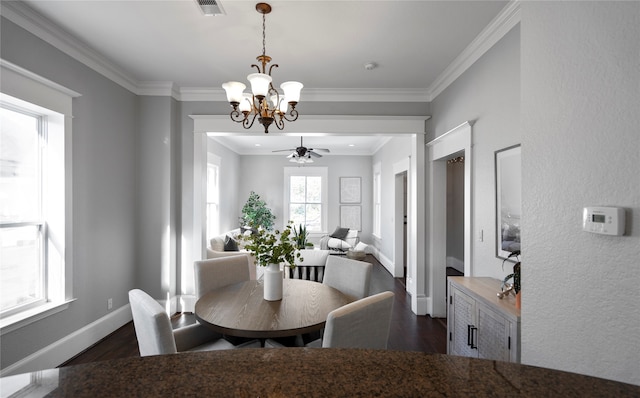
<point>306,372</point>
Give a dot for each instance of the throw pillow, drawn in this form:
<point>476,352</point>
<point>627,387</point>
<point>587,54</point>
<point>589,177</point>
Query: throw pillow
<point>230,244</point>
<point>340,233</point>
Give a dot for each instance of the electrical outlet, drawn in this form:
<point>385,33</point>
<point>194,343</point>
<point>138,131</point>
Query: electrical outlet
<point>109,304</point>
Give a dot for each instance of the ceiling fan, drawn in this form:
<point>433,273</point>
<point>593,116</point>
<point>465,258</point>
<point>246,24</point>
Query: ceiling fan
<point>303,154</point>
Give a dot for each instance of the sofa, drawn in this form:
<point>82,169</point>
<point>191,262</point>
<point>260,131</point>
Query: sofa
<point>222,246</point>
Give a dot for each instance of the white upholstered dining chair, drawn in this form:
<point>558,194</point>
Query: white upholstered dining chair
<point>214,273</point>
<point>351,277</point>
<point>364,323</point>
<point>156,336</point>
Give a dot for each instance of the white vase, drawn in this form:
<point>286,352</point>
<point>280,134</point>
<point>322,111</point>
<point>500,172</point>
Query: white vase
<point>273,283</point>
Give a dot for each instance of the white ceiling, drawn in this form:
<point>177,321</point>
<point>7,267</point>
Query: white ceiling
<point>148,44</point>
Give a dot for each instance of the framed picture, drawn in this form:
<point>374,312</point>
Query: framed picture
<point>350,217</point>
<point>350,190</point>
<point>508,200</point>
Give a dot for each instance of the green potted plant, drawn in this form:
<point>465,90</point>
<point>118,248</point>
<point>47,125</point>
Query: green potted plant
<point>270,249</point>
<point>300,236</point>
<point>515,275</point>
<point>255,213</point>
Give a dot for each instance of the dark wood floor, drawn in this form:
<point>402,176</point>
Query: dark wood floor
<point>409,332</point>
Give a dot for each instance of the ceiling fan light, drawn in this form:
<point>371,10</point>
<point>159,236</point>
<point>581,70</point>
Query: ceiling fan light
<point>292,91</point>
<point>234,91</point>
<point>259,84</point>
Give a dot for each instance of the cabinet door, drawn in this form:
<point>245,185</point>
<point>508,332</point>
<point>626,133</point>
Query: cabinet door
<point>462,311</point>
<point>493,335</point>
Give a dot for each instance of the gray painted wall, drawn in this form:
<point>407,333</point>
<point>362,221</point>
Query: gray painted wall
<point>580,147</point>
<point>487,94</point>
<point>105,150</point>
<point>265,175</point>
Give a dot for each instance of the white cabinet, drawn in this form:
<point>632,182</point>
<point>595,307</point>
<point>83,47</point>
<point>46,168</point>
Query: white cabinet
<point>479,324</point>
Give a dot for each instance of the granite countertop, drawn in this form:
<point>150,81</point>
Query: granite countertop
<point>308,372</point>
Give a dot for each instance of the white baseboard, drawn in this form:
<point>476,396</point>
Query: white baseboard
<point>421,305</point>
<point>382,259</point>
<point>71,345</point>
<point>455,263</point>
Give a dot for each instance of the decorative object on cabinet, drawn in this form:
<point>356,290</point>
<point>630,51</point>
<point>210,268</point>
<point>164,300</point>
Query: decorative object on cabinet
<point>478,323</point>
<point>350,190</point>
<point>506,287</point>
<point>508,200</point>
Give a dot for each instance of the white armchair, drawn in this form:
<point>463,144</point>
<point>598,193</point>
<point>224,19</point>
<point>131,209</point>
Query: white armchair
<point>342,239</point>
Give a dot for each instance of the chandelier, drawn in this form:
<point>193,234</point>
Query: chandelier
<point>264,102</point>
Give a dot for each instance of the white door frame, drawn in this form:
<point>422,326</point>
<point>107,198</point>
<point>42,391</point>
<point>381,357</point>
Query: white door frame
<point>399,169</point>
<point>454,141</point>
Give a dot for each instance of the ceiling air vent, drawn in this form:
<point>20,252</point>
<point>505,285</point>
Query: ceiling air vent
<point>211,7</point>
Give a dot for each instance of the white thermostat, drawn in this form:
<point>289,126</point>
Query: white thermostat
<point>603,220</point>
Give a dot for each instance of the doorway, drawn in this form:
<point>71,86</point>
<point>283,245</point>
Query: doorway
<point>455,215</point>
<point>400,247</point>
<point>454,143</point>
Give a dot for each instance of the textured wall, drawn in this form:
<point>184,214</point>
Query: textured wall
<point>488,95</point>
<point>581,145</point>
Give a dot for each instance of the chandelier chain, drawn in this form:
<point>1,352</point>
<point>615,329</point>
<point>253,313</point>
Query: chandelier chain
<point>264,40</point>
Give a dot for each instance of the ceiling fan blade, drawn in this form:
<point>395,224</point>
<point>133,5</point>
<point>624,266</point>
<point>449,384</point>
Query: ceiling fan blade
<point>317,155</point>
<point>320,149</point>
<point>284,150</point>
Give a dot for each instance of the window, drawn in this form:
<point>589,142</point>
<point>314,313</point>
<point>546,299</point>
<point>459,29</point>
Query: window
<point>35,182</point>
<point>21,227</point>
<point>306,197</point>
<point>213,200</point>
<point>377,194</point>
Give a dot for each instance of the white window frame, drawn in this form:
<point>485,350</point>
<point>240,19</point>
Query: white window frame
<point>322,172</point>
<point>26,90</point>
<point>213,202</point>
<point>377,200</point>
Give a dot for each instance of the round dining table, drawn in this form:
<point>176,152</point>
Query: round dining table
<point>310,372</point>
<point>240,309</point>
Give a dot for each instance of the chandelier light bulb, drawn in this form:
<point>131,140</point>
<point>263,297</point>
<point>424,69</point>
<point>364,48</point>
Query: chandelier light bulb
<point>259,84</point>
<point>234,91</point>
<point>246,103</point>
<point>292,91</point>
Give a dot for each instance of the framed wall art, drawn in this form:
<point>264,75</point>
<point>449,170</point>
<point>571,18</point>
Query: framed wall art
<point>350,217</point>
<point>350,190</point>
<point>508,173</point>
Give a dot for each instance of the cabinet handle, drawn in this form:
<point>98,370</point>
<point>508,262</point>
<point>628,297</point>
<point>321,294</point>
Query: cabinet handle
<point>473,329</point>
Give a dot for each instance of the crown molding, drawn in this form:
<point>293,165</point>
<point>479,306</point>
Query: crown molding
<point>490,35</point>
<point>161,89</point>
<point>320,95</point>
<point>30,20</point>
